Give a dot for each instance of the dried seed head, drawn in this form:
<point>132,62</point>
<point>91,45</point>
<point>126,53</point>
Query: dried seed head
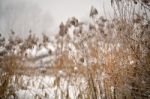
<point>74,21</point>
<point>82,60</point>
<point>62,29</point>
<point>50,51</point>
<point>145,1</point>
<point>92,27</point>
<point>93,12</point>
<point>103,19</point>
<point>45,38</point>
<point>12,32</point>
<point>135,2</point>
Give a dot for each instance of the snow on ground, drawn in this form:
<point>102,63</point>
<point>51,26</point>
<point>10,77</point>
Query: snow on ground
<point>46,87</point>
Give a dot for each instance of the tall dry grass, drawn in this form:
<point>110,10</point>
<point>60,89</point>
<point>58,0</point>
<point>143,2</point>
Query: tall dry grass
<point>119,50</point>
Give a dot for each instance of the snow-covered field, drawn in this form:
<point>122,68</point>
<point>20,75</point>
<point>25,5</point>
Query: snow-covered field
<point>46,87</point>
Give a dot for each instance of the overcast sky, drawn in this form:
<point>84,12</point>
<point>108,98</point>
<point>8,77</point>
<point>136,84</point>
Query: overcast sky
<point>44,15</point>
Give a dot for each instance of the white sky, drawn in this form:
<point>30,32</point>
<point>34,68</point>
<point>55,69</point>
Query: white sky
<point>44,15</point>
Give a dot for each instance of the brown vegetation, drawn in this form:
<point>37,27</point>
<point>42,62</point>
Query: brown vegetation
<point>114,58</point>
